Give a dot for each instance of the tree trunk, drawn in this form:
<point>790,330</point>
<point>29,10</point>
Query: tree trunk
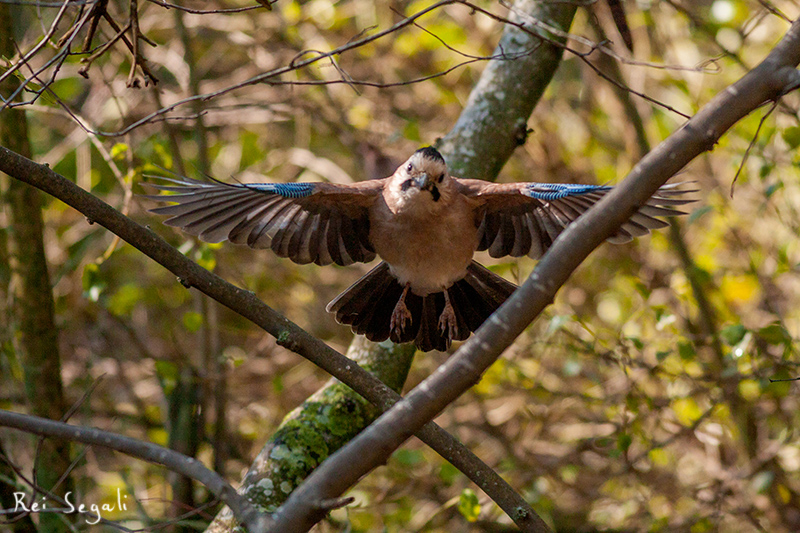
<point>36,338</point>
<point>487,116</point>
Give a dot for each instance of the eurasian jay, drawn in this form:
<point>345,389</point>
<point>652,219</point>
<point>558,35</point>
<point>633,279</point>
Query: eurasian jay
<point>423,223</point>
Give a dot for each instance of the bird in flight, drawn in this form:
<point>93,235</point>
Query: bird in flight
<point>422,222</point>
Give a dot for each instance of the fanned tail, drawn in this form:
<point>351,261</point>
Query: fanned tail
<point>368,304</point>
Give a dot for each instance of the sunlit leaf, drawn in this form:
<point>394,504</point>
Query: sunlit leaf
<point>158,436</point>
<point>792,136</point>
<point>750,389</point>
<point>659,457</point>
<point>124,299</point>
<point>205,257</point>
<point>739,288</point>
<point>119,151</point>
<point>167,373</point>
<point>686,411</point>
<point>775,334</point>
<point>93,282</point>
<point>408,457</point>
<point>468,505</point>
<point>448,473</point>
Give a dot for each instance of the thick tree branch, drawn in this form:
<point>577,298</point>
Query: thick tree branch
<point>768,81</point>
<point>325,422</point>
<point>244,302</point>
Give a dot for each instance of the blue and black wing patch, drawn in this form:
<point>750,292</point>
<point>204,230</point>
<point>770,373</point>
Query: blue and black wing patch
<point>555,191</point>
<point>513,227</point>
<point>306,222</point>
<point>287,190</point>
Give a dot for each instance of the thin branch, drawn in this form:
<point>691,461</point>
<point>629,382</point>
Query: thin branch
<point>541,30</point>
<point>584,56</point>
<point>379,85</point>
<point>152,453</point>
<point>137,58</point>
<point>87,62</point>
<point>206,11</point>
<point>58,60</point>
<point>96,14</point>
<point>134,22</point>
<point>33,51</point>
<point>752,143</point>
<point>266,76</point>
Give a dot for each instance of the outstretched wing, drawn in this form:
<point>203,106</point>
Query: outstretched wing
<point>318,223</point>
<point>525,218</point>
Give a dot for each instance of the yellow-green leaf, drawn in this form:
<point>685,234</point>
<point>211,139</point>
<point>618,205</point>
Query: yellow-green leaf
<point>468,505</point>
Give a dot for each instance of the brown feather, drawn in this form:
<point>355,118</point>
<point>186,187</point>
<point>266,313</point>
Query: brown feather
<point>278,216</point>
<point>368,304</point>
<point>510,222</point>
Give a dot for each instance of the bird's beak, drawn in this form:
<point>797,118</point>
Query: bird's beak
<point>423,182</point>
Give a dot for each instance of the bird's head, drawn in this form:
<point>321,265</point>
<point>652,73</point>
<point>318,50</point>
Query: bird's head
<point>422,182</point>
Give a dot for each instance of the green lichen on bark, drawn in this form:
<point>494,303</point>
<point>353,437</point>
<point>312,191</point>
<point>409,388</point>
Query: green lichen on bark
<point>307,436</point>
<point>320,426</point>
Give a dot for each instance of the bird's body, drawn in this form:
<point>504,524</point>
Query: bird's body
<point>430,257</point>
<point>423,223</point>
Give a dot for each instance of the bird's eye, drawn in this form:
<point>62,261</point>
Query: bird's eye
<point>441,177</point>
<point>410,167</point>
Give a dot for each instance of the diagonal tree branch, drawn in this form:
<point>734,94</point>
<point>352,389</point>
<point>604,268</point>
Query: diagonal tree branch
<point>288,334</point>
<point>770,80</point>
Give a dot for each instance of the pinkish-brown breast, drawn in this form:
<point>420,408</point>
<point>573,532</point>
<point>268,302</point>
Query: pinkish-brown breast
<point>426,245</point>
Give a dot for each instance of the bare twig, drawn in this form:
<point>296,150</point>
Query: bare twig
<point>97,13</point>
<point>584,56</point>
<point>542,30</point>
<point>139,59</point>
<point>134,22</point>
<point>33,51</point>
<point>204,11</point>
<point>266,76</point>
<point>87,62</point>
<point>752,143</point>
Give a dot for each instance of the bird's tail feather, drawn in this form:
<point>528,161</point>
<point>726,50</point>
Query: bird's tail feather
<point>368,304</point>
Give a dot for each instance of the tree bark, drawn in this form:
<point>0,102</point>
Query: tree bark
<point>308,435</point>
